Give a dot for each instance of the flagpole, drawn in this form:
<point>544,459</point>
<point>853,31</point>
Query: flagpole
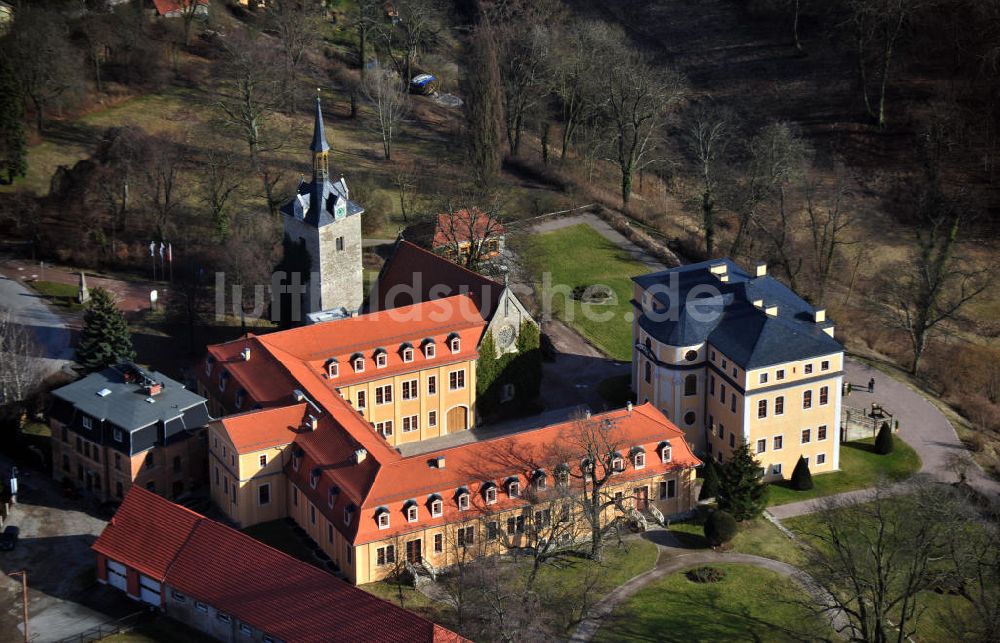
<point>152,255</point>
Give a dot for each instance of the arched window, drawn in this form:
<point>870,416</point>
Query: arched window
<point>691,385</point>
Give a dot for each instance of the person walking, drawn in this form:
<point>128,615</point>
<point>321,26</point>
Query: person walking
<point>871,385</point>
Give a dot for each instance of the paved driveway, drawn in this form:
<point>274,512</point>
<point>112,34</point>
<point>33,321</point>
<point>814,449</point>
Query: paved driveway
<point>54,547</point>
<point>31,311</point>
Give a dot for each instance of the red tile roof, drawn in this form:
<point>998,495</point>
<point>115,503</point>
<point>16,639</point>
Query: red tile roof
<point>455,229</point>
<point>163,7</point>
<point>264,429</point>
<point>146,532</point>
<point>413,274</point>
<point>251,581</point>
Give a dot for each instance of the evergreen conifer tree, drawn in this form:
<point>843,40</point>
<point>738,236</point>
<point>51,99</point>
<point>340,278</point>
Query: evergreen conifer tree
<point>802,479</point>
<point>105,339</point>
<point>884,441</point>
<point>741,492</point>
<point>13,149</point>
<point>710,483</point>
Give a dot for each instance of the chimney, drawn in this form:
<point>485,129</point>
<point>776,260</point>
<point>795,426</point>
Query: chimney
<point>299,395</point>
<point>360,455</point>
<point>772,311</point>
<point>628,407</point>
<point>154,388</point>
<point>760,269</point>
<point>587,413</point>
<point>439,462</point>
<point>819,315</point>
<point>246,354</point>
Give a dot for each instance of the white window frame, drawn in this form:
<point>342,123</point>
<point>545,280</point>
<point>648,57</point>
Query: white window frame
<point>381,360</point>
<point>514,489</point>
<point>437,508</point>
<point>639,460</point>
<point>459,375</point>
<point>666,454</point>
<point>407,354</point>
<point>410,389</point>
<point>432,380</point>
<point>779,374</point>
<point>87,422</point>
<point>262,459</point>
<point>759,442</point>
<point>805,436</point>
<point>412,513</point>
<point>455,344</point>
<point>761,409</point>
<point>332,370</point>
<point>617,464</point>
<point>432,419</point>
<point>826,432</point>
<point>383,519</point>
<point>429,350</point>
<point>763,378</point>
<point>463,502</point>
<point>386,391</point>
<point>413,421</point>
<point>781,406</point>
<point>820,462</point>
<point>359,364</point>
<point>491,495</point>
<point>776,469</point>
<point>778,442</point>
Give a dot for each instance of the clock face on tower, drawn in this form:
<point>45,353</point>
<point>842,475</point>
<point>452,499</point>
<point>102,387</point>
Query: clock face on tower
<point>505,336</point>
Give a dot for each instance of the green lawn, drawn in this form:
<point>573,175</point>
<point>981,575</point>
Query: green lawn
<point>749,604</point>
<point>579,256</point>
<point>758,537</point>
<point>860,467</point>
<point>62,295</point>
<point>281,535</point>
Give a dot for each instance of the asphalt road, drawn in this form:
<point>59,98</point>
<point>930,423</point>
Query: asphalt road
<point>31,311</point>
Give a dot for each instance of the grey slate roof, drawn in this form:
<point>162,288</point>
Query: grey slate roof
<point>724,315</point>
<point>319,143</point>
<point>126,406</point>
<point>325,194</point>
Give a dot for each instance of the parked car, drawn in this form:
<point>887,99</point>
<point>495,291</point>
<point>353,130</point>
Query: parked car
<point>8,539</point>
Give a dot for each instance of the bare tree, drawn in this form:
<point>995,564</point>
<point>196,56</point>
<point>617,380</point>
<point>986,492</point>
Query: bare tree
<point>467,224</point>
<point>871,559</point>
<point>44,60</point>
<point>406,185</point>
<point>365,19</point>
<point>20,374</point>
<point>190,11</point>
<point>576,61</point>
<point>973,561</point>
<point>415,28</point>
<point>830,221</point>
<point>165,160</point>
<point>878,26</point>
<point>122,155</point>
<point>296,24</point>
<point>255,90</point>
<point>935,285</point>
<point>639,97</point>
<point>708,135</point>
<point>220,179</point>
<point>387,95</point>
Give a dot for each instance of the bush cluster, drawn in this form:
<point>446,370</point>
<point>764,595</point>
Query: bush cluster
<point>705,575</point>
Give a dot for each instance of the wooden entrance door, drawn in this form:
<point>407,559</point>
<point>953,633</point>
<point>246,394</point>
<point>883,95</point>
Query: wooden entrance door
<point>458,419</point>
<point>641,498</point>
<point>413,555</point>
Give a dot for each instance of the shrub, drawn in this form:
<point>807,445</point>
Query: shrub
<point>596,294</point>
<point>802,479</point>
<point>884,440</point>
<point>720,528</point>
<point>710,484</point>
<point>705,575</point>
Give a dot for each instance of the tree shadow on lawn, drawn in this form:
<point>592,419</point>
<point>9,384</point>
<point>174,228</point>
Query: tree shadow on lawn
<point>707,614</point>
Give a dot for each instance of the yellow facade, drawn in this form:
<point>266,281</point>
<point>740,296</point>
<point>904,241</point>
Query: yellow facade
<point>250,487</point>
<point>443,411</point>
<point>361,563</point>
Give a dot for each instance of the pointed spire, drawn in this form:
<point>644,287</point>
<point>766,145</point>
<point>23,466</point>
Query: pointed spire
<point>319,143</point>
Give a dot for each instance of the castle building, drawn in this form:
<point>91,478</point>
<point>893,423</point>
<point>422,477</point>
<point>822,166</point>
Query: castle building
<point>326,227</point>
<point>126,426</point>
<point>737,357</point>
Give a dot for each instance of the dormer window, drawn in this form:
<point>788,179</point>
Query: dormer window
<point>562,475</point>
<point>639,460</point>
<point>332,368</point>
<point>358,361</point>
<point>411,511</point>
<point>617,463</point>
<point>383,518</point>
<point>240,398</point>
<point>437,506</point>
<point>429,349</point>
<point>540,480</point>
<point>314,477</point>
<point>407,352</point>
<point>209,361</point>
<point>490,493</point>
<point>297,458</point>
<point>666,454</point>
<point>513,488</point>
<point>587,467</point>
<point>454,342</point>
<point>463,500</point>
<point>348,514</point>
<point>381,359</point>
<point>331,495</point>
<point>223,380</point>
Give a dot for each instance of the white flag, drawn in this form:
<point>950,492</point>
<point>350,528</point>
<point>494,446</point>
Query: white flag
<point>152,245</point>
<point>162,248</point>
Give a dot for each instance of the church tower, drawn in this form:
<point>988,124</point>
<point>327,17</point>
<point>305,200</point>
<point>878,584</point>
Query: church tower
<point>326,225</point>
